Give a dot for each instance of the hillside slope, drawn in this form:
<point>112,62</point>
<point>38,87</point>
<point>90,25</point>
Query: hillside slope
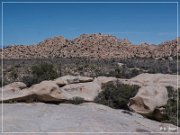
<point>91,46</point>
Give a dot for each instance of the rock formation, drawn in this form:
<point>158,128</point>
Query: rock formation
<point>151,95</point>
<point>87,117</point>
<point>91,46</point>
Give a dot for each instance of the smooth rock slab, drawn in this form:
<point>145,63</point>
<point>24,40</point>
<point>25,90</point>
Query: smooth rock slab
<point>87,117</point>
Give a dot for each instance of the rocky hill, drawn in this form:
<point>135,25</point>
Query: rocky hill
<point>91,46</point>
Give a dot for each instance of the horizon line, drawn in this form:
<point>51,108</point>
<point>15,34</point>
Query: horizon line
<point>71,39</point>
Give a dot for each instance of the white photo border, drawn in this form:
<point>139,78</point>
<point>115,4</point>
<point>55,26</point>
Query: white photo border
<point>2,38</point>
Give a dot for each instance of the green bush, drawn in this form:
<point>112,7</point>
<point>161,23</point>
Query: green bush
<point>40,73</point>
<point>14,73</point>
<point>30,80</point>
<point>122,72</point>
<point>170,113</point>
<point>44,70</point>
<point>1,81</point>
<point>116,95</point>
<point>77,100</point>
<point>125,72</point>
<point>135,72</point>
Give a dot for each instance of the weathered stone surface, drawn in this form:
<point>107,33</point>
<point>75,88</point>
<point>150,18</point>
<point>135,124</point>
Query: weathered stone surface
<point>68,79</point>
<point>163,79</point>
<point>50,91</point>
<point>152,94</point>
<point>15,86</point>
<point>87,91</point>
<point>148,99</point>
<point>47,91</point>
<point>87,117</point>
<point>103,80</point>
<point>14,91</point>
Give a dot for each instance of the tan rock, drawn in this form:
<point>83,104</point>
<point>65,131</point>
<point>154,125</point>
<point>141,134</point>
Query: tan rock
<point>87,91</point>
<point>103,80</point>
<point>151,95</point>
<point>51,91</point>
<point>148,99</point>
<point>15,86</point>
<point>153,92</point>
<point>13,91</point>
<point>68,79</point>
<point>47,91</point>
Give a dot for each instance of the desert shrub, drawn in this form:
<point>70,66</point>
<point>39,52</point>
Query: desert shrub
<point>1,81</point>
<point>44,70</point>
<point>119,73</point>
<point>153,65</point>
<point>30,80</point>
<point>13,73</point>
<point>40,72</point>
<point>135,72</point>
<point>77,100</point>
<point>125,72</point>
<point>116,95</point>
<point>170,113</point>
<point>83,66</point>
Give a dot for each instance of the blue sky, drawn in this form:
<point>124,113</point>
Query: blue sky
<point>31,23</point>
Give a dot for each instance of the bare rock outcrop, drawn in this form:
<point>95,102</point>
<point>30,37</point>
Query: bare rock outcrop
<point>152,94</point>
<point>87,117</point>
<point>68,79</point>
<point>15,86</point>
<point>60,89</point>
<point>148,99</point>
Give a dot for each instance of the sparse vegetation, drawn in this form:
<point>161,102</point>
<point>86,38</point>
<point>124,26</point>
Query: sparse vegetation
<point>125,72</point>
<point>1,82</point>
<point>21,69</point>
<point>14,73</point>
<point>39,73</point>
<point>44,70</point>
<point>77,100</point>
<point>30,80</point>
<point>116,95</point>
